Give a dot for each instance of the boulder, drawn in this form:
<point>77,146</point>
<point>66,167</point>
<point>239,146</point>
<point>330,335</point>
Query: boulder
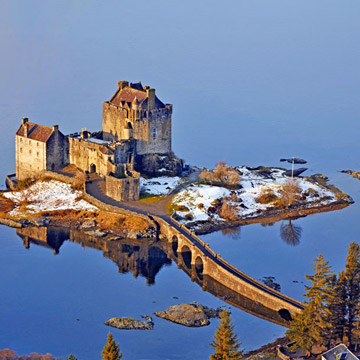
<point>192,315</point>
<point>11,223</point>
<point>142,234</point>
<point>127,323</point>
<point>96,233</point>
<point>88,224</point>
<point>41,221</point>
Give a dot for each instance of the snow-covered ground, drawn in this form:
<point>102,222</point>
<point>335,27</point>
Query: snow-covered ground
<point>160,185</point>
<point>48,196</point>
<point>193,202</point>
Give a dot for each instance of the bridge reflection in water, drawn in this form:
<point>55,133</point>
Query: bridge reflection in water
<point>146,258</point>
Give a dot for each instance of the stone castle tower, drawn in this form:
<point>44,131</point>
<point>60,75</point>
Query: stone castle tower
<point>135,112</point>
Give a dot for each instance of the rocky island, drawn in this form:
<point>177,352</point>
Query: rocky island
<point>125,182</point>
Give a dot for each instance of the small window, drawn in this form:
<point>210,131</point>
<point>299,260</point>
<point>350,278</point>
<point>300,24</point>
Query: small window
<point>21,150</point>
<point>37,144</point>
<point>154,134</point>
<point>37,154</point>
<point>30,152</point>
<point>20,139</point>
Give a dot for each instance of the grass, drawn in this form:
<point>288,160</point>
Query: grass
<point>6,204</point>
<point>150,198</point>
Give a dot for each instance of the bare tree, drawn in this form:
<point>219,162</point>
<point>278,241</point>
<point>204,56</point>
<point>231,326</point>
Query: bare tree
<point>223,174</point>
<point>290,233</point>
<point>290,192</point>
<point>228,211</point>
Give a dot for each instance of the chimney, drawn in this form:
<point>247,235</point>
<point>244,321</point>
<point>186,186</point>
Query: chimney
<point>55,127</point>
<point>26,128</point>
<point>24,120</point>
<point>151,98</point>
<point>122,84</point>
<point>84,134</point>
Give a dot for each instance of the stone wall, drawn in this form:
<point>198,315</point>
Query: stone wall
<point>125,151</point>
<point>151,129</point>
<point>30,157</point>
<point>158,139</point>
<point>124,189</point>
<point>56,151</point>
<point>87,156</point>
<point>34,156</point>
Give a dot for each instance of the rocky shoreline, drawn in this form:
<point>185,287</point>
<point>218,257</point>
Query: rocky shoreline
<point>269,216</point>
<point>355,174</point>
<point>89,225</point>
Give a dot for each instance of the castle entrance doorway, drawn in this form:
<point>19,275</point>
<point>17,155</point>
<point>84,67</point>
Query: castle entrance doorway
<point>92,168</point>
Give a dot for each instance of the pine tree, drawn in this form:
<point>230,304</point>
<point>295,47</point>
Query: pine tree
<point>352,278</point>
<point>111,350</point>
<point>338,309</point>
<point>71,357</point>
<point>311,326</point>
<point>225,342</point>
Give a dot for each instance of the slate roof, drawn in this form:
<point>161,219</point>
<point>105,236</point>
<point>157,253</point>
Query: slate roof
<point>335,353</point>
<point>129,93</point>
<point>36,132</point>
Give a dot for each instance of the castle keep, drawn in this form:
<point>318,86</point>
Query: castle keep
<point>135,138</point>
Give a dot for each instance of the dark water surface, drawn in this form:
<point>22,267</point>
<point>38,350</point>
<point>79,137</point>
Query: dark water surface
<point>251,82</point>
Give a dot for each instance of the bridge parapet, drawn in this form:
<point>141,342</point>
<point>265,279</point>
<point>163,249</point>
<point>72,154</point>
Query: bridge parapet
<point>192,249</point>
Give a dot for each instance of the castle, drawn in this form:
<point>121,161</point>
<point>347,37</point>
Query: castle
<point>135,138</point>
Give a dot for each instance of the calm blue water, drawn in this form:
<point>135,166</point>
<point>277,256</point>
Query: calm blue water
<point>250,81</point>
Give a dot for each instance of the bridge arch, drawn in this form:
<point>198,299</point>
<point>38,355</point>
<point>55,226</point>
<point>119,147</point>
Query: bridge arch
<point>186,256</point>
<point>199,267</point>
<point>285,314</point>
<point>175,245</point>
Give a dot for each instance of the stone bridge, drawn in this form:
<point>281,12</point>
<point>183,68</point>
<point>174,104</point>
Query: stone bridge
<point>197,259</point>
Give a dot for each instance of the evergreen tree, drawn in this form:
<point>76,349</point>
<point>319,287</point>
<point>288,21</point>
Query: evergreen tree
<point>225,342</point>
<point>311,326</point>
<point>352,279</point>
<point>338,310</point>
<point>71,357</point>
<point>111,350</point>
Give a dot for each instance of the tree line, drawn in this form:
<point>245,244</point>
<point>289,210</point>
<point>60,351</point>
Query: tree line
<point>332,307</point>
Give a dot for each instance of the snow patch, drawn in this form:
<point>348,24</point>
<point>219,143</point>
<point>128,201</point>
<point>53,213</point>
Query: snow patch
<point>196,198</point>
<point>160,185</point>
<point>48,196</point>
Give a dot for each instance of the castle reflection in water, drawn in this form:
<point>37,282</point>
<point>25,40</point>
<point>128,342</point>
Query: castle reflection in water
<point>145,258</point>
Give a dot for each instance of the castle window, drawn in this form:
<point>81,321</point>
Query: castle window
<point>37,154</point>
<point>154,134</point>
<point>21,150</point>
